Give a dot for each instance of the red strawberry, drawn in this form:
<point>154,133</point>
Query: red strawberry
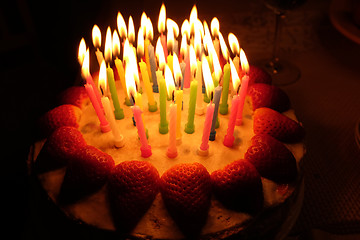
<point>59,148</point>
<point>87,172</point>
<point>272,159</point>
<point>75,95</point>
<point>133,186</point>
<point>186,191</point>
<point>258,75</point>
<point>63,115</point>
<point>264,95</point>
<point>238,186</point>
<point>277,125</point>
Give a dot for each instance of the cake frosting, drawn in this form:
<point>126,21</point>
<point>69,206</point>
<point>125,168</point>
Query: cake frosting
<point>157,223</point>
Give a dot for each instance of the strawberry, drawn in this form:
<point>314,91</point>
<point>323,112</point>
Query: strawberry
<point>186,191</point>
<point>264,95</point>
<point>238,186</point>
<point>272,159</point>
<point>258,75</point>
<point>86,173</point>
<point>63,115</point>
<point>75,95</point>
<point>59,148</point>
<point>277,125</point>
<point>133,186</point>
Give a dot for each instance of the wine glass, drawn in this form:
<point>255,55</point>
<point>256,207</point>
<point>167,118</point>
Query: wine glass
<point>282,71</point>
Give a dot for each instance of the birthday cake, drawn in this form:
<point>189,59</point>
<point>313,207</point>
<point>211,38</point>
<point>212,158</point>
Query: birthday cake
<point>174,185</point>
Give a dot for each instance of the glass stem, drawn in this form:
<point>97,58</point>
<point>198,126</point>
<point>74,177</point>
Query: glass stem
<point>278,25</point>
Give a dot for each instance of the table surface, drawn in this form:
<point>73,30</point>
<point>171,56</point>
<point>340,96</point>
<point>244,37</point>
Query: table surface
<point>326,100</point>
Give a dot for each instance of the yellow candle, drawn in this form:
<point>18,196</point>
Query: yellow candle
<point>145,77</point>
<point>147,58</point>
<point>178,99</point>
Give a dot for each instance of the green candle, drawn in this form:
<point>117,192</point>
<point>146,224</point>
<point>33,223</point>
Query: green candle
<point>163,126</point>
<point>189,126</point>
<point>119,112</point>
<point>223,108</point>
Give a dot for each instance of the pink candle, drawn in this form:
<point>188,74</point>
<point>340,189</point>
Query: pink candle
<point>104,124</point>
<point>164,45</point>
<point>207,126</point>
<point>145,147</point>
<point>172,150</point>
<point>187,70</point>
<point>229,137</point>
<point>242,95</point>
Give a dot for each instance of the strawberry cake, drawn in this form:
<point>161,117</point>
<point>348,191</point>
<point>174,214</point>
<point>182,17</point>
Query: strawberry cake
<point>251,190</point>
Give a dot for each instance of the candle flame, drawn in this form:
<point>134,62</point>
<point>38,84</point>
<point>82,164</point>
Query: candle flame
<point>170,39</point>
<point>127,50</point>
<point>96,36</point>
<point>131,30</point>
<point>234,76</point>
<point>209,84</point>
<point>82,51</point>
<point>172,24</point>
<point>193,18</point>
<point>193,63</point>
<point>244,62</point>
<point>234,44</point>
<point>185,29</point>
<point>121,26</point>
<point>170,86</point>
<point>149,30</point>
<point>140,43</point>
<point>130,80</point>
<point>162,19</point>
<point>183,47</point>
<point>224,49</point>
<point>213,56</point>
<point>159,51</point>
<point>177,71</point>
<point>85,65</point>
<point>197,44</point>
<point>108,46</point>
<point>102,84</point>
<point>116,44</point>
<point>215,27</point>
<point>143,22</point>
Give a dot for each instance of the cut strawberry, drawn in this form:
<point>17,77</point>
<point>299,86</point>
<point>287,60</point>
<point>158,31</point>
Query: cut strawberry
<point>264,95</point>
<point>186,191</point>
<point>75,95</point>
<point>133,186</point>
<point>277,125</point>
<point>272,159</point>
<point>63,115</point>
<point>238,186</point>
<point>60,147</point>
<point>86,173</point>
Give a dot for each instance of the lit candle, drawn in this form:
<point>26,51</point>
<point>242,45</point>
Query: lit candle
<point>204,147</point>
<point>119,112</point>
<point>152,106</point>
<point>215,121</point>
<point>178,95</point>
<point>189,126</point>
<point>229,137</point>
<point>153,68</point>
<point>226,80</point>
<point>172,150</point>
<point>119,65</point>
<point>145,147</point>
<point>163,126</point>
<point>118,138</point>
<point>235,49</point>
<point>215,29</point>
<point>121,27</point>
<point>170,46</point>
<point>104,125</point>
<point>131,31</point>
<point>148,39</point>
<point>96,37</point>
<point>244,86</point>
<point>82,51</point>
<point>161,29</point>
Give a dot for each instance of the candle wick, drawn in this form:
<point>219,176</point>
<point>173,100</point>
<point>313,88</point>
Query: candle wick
<point>132,98</point>
<point>173,95</point>
<point>238,89</point>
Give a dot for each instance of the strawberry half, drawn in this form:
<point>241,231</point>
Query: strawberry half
<point>75,95</point>
<point>86,173</point>
<point>63,115</point>
<point>60,147</point>
<point>258,75</point>
<point>238,186</point>
<point>272,159</point>
<point>277,125</point>
<point>264,95</point>
<point>133,186</point>
<point>186,191</point>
